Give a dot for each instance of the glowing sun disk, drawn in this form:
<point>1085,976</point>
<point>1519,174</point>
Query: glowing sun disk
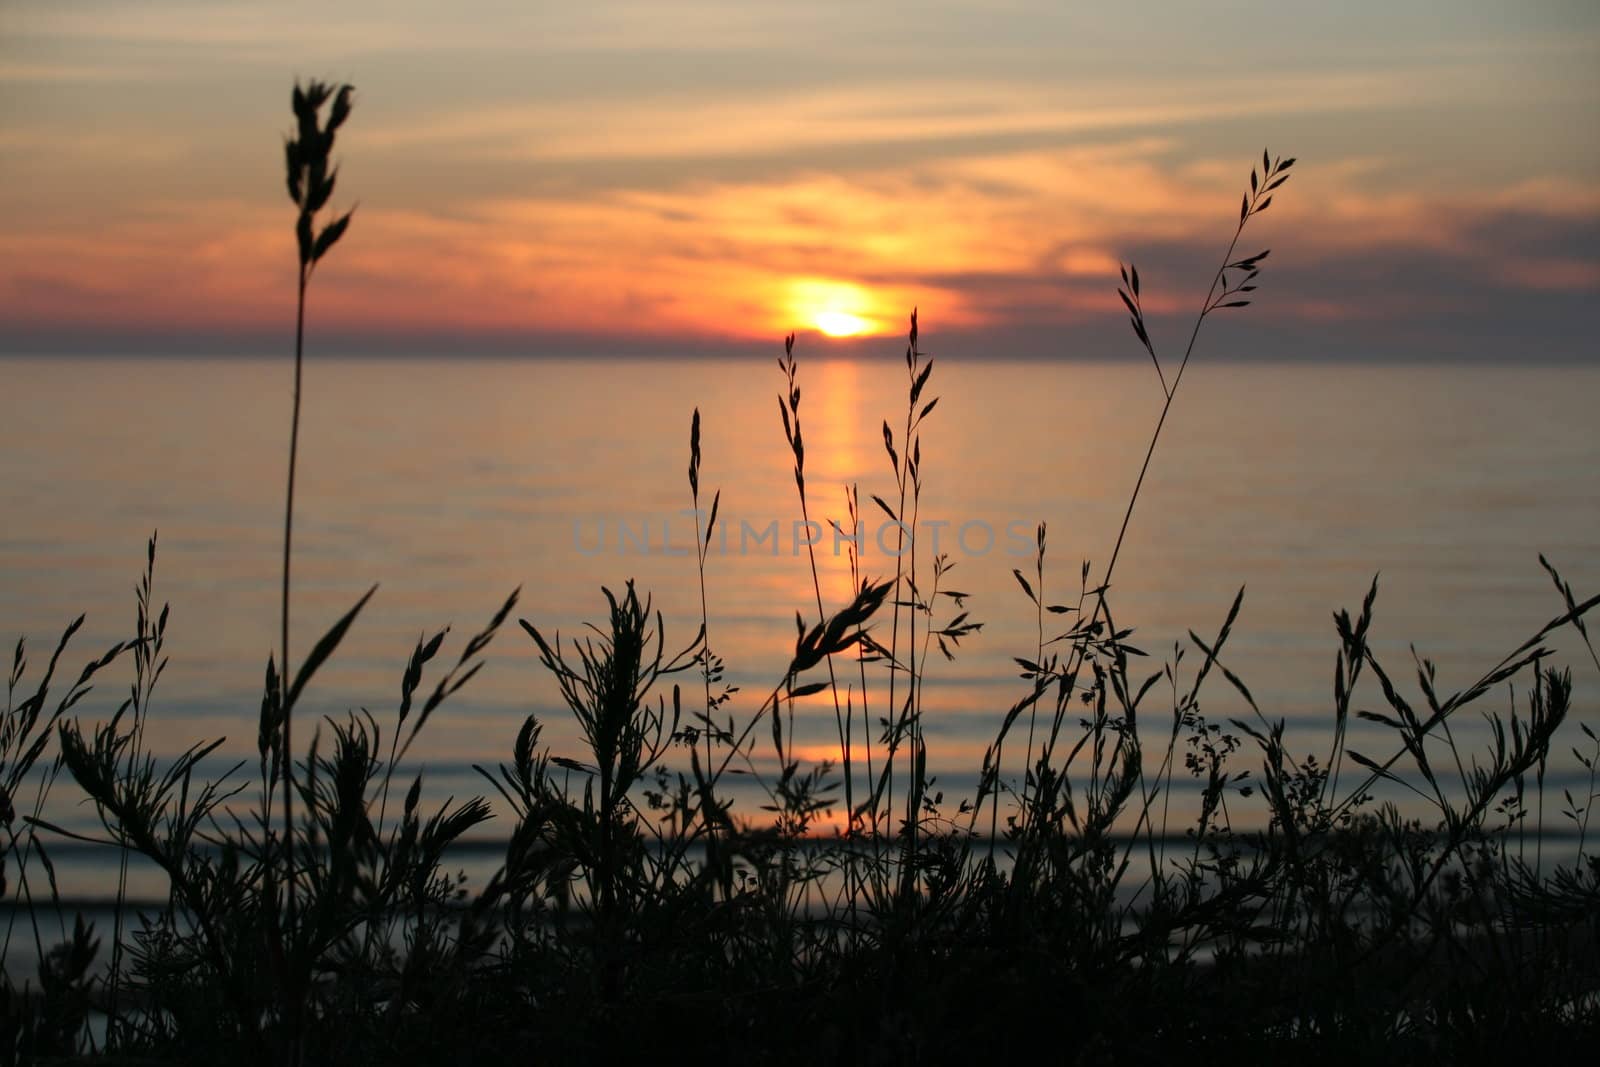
<point>840,323</point>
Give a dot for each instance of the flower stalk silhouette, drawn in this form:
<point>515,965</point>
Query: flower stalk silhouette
<point>310,177</point>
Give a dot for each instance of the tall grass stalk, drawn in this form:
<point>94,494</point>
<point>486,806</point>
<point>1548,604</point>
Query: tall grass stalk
<point>711,669</point>
<point>900,721</point>
<point>149,664</point>
<point>789,409</point>
<point>310,175</point>
<point>1224,293</point>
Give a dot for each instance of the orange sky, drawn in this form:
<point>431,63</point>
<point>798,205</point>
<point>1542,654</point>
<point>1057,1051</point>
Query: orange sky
<point>722,173</point>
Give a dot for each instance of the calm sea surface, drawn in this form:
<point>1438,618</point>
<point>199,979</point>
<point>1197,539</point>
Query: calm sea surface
<point>451,482</point>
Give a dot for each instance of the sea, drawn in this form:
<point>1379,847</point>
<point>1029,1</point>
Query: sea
<point>448,483</point>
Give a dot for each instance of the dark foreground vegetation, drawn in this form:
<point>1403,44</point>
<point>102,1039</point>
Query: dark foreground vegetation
<point>860,915</point>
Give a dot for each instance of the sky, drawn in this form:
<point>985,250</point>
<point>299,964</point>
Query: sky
<point>545,178</point>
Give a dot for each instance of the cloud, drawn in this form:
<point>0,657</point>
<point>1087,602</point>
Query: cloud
<point>691,124</point>
<point>1026,241</point>
<point>717,172</point>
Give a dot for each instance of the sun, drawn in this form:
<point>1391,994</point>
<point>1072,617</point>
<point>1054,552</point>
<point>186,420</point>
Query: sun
<point>840,323</point>
<point>832,306</point>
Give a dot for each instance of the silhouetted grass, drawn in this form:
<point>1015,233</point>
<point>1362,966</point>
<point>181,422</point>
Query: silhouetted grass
<point>634,912</point>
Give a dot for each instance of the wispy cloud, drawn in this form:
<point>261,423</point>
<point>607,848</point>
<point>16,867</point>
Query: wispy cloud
<point>1031,238</point>
<point>726,170</point>
<point>690,126</point>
